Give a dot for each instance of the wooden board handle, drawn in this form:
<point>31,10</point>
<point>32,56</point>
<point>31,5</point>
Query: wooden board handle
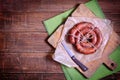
<point>110,64</point>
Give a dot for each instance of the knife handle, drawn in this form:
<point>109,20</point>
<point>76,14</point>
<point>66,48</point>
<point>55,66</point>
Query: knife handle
<point>83,67</point>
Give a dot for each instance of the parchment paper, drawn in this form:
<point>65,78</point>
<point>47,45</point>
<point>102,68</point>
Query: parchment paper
<point>60,54</point>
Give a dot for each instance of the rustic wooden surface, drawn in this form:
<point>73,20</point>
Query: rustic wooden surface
<point>24,52</point>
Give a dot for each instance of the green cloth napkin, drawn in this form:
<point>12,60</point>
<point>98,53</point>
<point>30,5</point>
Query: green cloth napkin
<point>71,73</point>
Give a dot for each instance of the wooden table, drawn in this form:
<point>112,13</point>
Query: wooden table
<point>24,52</point>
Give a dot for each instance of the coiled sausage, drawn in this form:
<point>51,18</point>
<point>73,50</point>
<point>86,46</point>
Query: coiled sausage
<point>86,37</point>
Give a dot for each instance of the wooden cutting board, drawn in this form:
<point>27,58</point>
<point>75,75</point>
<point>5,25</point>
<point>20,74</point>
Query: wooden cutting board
<point>110,47</point>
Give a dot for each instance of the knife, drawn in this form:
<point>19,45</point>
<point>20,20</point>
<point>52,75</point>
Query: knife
<point>82,66</point>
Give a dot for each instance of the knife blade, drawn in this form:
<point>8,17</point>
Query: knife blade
<point>72,55</point>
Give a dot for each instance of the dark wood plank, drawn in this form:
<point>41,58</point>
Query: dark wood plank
<point>27,42</point>
<point>33,76</point>
<point>31,21</point>
<point>116,26</point>
<point>113,17</point>
<point>38,5</point>
<point>53,5</point>
<point>49,66</point>
<point>110,6</point>
<point>28,63</point>
<point>118,33</point>
<point>23,37</point>
<point>2,41</point>
<point>52,66</point>
<point>9,63</point>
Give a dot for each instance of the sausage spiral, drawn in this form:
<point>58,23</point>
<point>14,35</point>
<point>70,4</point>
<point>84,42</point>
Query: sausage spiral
<point>86,37</point>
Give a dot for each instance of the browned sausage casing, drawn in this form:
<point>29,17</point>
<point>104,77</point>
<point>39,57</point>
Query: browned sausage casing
<point>86,37</point>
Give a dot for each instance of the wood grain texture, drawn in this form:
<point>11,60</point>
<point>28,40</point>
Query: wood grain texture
<point>32,76</point>
<point>28,63</point>
<point>21,21</point>
<point>27,42</point>
<point>24,52</point>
